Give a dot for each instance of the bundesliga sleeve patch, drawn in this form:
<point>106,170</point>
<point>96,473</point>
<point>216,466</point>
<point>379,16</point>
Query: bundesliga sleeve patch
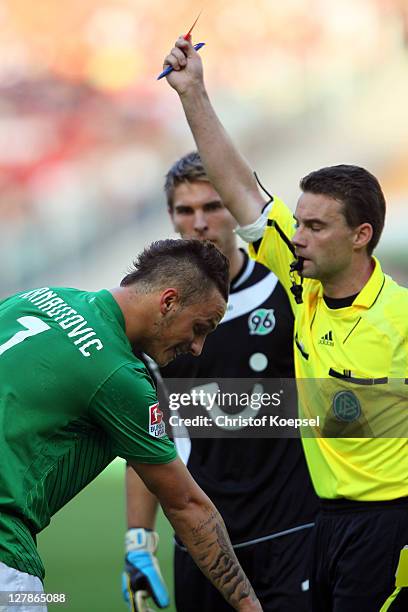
<point>157,427</point>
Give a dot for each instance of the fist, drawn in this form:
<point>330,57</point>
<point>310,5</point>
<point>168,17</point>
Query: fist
<point>187,67</point>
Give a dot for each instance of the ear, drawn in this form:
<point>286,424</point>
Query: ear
<point>363,235</point>
<point>169,300</point>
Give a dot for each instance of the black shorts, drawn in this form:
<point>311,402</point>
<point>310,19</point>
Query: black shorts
<point>355,557</point>
<point>278,570</point>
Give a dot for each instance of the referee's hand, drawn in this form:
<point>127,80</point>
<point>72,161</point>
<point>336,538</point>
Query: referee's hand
<point>187,74</point>
<point>142,577</point>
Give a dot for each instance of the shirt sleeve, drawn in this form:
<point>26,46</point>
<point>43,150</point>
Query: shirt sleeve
<point>126,407</point>
<point>275,249</point>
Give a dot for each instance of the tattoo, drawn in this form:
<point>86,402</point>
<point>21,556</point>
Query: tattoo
<point>196,530</point>
<point>217,559</point>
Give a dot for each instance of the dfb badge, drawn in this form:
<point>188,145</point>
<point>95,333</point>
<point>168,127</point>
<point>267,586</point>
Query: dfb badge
<point>346,406</point>
<point>157,428</point>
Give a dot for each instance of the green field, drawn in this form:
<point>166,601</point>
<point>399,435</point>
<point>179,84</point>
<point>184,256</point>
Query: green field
<point>82,549</point>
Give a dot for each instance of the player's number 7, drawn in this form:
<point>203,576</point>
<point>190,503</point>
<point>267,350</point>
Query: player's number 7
<point>33,326</point>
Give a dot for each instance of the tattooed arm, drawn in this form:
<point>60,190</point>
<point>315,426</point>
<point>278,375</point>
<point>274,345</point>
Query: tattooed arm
<point>201,528</point>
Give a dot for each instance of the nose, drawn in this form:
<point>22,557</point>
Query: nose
<point>298,238</point>
<point>200,222</point>
<point>197,346</point>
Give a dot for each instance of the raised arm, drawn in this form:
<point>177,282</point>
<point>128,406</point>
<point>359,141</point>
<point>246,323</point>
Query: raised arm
<point>226,168</point>
<point>202,530</point>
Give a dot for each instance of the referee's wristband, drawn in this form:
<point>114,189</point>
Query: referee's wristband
<point>254,231</point>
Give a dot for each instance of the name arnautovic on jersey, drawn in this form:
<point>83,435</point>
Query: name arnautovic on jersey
<point>55,307</point>
<point>227,420</point>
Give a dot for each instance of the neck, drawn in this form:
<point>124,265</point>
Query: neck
<point>236,260</point>
<point>135,310</point>
<point>350,281</point>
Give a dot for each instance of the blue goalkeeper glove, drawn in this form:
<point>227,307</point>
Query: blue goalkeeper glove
<point>142,577</point>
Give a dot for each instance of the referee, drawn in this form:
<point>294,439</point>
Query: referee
<point>351,330</point>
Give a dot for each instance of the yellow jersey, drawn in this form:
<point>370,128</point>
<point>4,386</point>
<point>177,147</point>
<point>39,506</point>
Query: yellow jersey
<point>352,369</point>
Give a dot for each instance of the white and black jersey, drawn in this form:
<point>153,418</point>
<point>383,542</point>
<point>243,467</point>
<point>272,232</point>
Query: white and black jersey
<point>261,486</point>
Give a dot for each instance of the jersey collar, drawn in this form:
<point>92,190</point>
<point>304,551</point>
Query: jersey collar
<point>110,306</point>
<point>244,272</point>
<point>371,290</point>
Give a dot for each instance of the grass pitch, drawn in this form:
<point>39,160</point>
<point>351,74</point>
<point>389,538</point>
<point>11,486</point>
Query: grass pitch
<point>83,548</point>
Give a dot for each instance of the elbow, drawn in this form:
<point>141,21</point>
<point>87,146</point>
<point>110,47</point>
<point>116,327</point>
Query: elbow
<point>188,504</point>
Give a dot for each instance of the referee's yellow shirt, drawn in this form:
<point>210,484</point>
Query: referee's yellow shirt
<point>352,369</point>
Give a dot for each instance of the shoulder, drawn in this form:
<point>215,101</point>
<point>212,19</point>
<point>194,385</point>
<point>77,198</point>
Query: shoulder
<point>129,383</point>
<point>394,293</point>
<point>251,275</point>
<point>255,288</point>
<point>133,374</point>
<point>125,392</point>
<point>395,302</point>
<point>264,284</point>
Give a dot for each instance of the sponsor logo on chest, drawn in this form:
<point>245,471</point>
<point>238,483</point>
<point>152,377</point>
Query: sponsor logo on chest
<point>327,339</point>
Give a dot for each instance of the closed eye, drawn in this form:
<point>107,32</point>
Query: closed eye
<point>203,329</point>
<point>312,224</point>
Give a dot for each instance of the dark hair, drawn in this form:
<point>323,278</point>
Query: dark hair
<point>187,168</point>
<point>359,192</point>
<point>196,267</point>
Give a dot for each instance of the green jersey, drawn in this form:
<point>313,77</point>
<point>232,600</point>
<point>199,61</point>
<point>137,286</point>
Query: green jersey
<point>72,397</point>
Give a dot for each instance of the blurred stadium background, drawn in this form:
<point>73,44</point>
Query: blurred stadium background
<point>86,135</point>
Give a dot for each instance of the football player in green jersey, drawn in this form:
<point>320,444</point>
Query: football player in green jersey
<point>73,396</point>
